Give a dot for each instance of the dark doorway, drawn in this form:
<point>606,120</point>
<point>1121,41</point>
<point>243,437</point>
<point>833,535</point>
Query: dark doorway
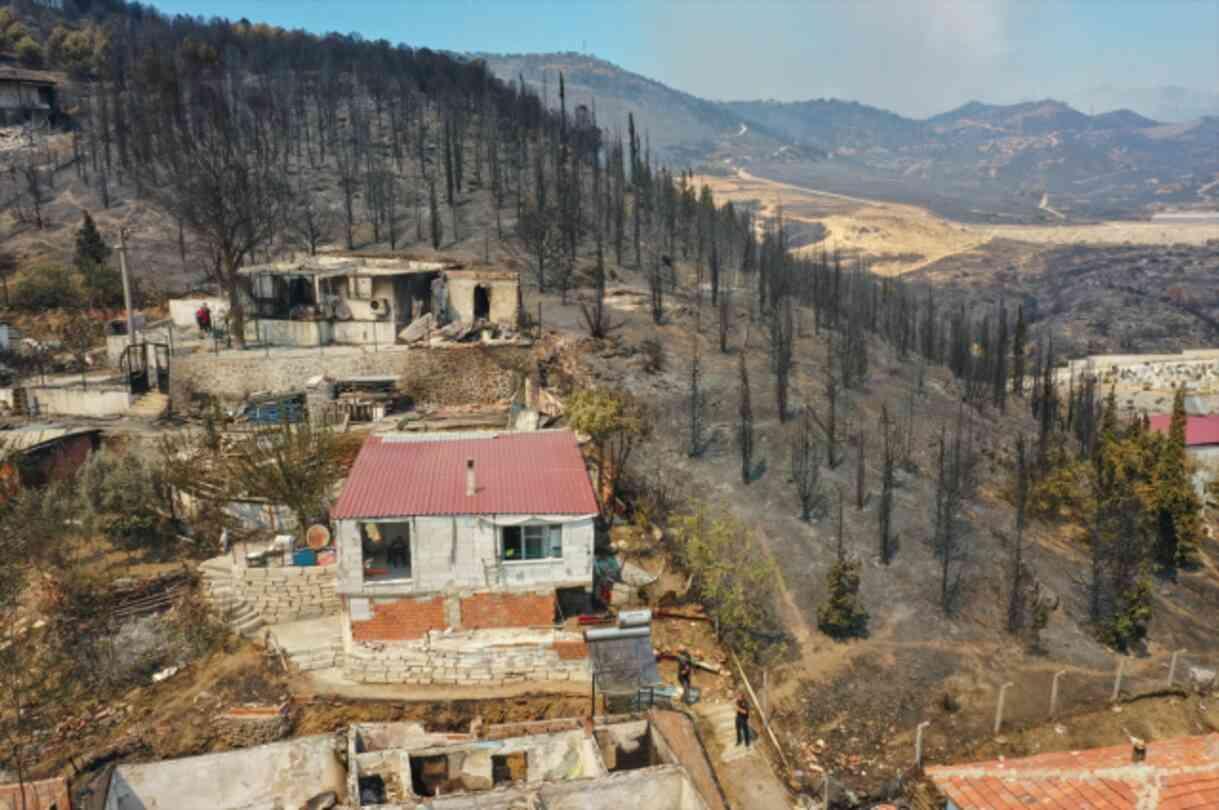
<point>509,768</point>
<point>482,303</point>
<point>428,773</point>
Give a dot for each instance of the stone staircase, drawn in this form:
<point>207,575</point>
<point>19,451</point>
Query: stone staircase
<point>310,644</point>
<point>152,405</point>
<point>220,590</point>
<point>722,719</point>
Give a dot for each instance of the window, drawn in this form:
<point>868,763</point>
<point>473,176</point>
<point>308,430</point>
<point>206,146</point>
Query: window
<point>532,543</point>
<point>387,550</point>
<point>361,287</point>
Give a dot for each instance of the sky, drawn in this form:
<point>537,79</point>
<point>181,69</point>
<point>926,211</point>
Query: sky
<point>916,57</point>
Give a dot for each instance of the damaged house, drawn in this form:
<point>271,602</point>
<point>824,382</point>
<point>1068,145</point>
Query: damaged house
<point>455,552</point>
<point>363,299</point>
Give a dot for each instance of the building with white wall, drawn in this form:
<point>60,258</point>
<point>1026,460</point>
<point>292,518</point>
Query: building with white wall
<point>453,550</point>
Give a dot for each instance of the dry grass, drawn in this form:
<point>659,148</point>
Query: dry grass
<point>903,238</point>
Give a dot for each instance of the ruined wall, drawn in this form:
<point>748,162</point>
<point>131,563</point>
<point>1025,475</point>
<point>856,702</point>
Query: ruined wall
<point>96,400</point>
<point>289,593</point>
<point>502,295</point>
<point>247,726</point>
<point>455,375</point>
<point>473,658</point>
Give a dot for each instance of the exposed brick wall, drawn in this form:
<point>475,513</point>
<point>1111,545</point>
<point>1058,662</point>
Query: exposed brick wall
<point>494,610</point>
<point>401,620</point>
<point>571,650</point>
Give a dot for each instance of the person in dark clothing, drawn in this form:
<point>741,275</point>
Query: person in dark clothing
<point>685,669</point>
<point>742,721</point>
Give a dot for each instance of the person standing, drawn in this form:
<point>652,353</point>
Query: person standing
<point>203,319</point>
<point>742,720</point>
<point>685,669</point>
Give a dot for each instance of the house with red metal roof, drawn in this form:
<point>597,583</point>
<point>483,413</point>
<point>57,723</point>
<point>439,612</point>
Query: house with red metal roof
<point>1201,445</point>
<point>453,552</point>
<point>1176,774</point>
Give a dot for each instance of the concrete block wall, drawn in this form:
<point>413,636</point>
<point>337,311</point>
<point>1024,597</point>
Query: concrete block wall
<point>454,375</point>
<point>289,593</point>
<point>471,658</point>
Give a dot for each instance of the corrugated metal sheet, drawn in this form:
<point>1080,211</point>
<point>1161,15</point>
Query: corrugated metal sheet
<point>31,437</point>
<point>1199,430</point>
<point>516,474</point>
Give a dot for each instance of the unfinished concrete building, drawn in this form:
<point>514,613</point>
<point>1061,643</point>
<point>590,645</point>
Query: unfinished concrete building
<point>454,552</point>
<point>366,299</point>
<point>652,762</point>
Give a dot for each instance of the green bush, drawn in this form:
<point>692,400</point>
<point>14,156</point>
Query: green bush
<point>47,287</point>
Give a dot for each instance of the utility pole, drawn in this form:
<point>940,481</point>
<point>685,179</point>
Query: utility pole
<point>126,285</point>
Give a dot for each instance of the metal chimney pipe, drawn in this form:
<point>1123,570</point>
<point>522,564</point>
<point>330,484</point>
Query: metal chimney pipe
<point>471,481</point>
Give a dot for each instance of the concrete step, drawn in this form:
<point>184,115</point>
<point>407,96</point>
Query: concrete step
<point>152,405</point>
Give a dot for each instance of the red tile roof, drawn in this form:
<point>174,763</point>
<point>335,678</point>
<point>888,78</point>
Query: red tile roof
<point>1199,430</point>
<point>1178,774</point>
<point>538,473</point>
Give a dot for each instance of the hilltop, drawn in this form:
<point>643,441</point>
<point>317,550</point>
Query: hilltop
<point>978,163</point>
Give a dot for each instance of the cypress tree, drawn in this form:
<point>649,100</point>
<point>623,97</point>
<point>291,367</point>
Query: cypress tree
<point>1019,347</point>
<point>1179,509</point>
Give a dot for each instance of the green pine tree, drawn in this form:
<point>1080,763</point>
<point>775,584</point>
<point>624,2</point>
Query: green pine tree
<point>103,285</point>
<point>1179,508</point>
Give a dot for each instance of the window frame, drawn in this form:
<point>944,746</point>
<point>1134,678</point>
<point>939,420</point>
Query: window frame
<point>546,538</point>
<point>365,556</point>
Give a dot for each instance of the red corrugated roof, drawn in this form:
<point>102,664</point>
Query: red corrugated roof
<point>1178,774</point>
<point>539,473</point>
<point>1199,430</point>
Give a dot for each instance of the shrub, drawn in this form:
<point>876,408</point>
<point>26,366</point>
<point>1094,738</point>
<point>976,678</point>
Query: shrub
<point>47,287</point>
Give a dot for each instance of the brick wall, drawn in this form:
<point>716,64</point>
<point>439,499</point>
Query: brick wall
<point>571,650</point>
<point>400,620</point>
<point>495,610</point>
<point>442,376</point>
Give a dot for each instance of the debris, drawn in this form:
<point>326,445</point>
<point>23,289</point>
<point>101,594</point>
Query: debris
<point>165,674</point>
<point>418,329</point>
<point>322,801</point>
<point>1202,680</point>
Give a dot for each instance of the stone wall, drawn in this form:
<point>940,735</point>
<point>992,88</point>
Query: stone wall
<point>247,726</point>
<point>289,593</point>
<point>455,375</point>
<point>471,658</point>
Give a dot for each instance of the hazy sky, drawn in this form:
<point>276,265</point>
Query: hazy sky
<point>917,57</point>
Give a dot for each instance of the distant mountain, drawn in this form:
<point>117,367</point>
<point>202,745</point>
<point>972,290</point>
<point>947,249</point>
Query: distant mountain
<point>1167,103</point>
<point>833,124</point>
<point>680,128</point>
<point>989,162</point>
<point>1027,118</point>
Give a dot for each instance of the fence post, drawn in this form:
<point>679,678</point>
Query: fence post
<point>999,708</point>
<point>1054,694</point>
<point>1172,668</point>
<point>918,744</point>
<point>1117,681</point>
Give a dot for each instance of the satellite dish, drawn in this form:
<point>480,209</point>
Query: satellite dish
<point>318,537</point>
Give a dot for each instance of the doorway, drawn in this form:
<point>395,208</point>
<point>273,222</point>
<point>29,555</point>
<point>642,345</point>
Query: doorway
<point>482,302</point>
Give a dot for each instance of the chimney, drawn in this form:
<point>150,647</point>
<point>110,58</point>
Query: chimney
<point>1140,749</point>
<point>471,482</point>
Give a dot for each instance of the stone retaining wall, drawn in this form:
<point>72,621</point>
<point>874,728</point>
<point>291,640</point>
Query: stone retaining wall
<point>247,726</point>
<point>473,658</point>
<point>451,375</point>
<point>289,593</point>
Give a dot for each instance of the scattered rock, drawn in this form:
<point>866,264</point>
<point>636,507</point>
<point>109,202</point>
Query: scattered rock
<point>322,801</point>
<point>1202,680</point>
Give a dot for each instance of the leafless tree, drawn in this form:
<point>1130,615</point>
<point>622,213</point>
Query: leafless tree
<point>806,464</point>
<point>884,516</point>
<point>744,431</point>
